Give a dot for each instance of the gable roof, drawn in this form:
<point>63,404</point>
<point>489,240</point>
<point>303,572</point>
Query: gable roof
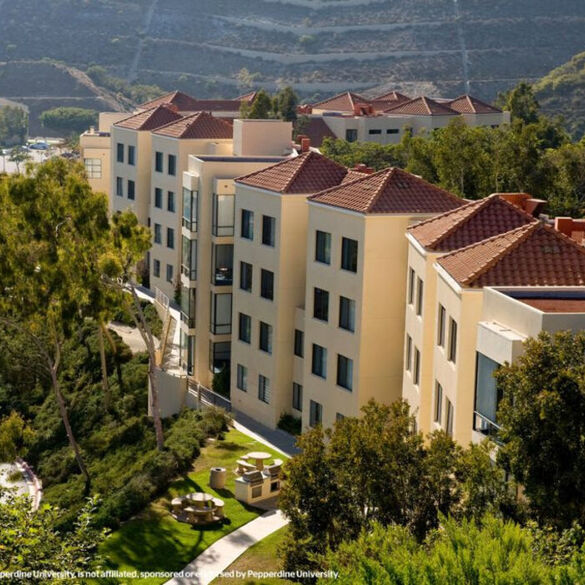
<point>247,97</point>
<point>422,106</point>
<point>182,101</point>
<point>467,104</point>
<point>150,119</point>
<point>531,255</point>
<point>469,224</point>
<point>200,125</point>
<point>391,190</point>
<point>342,102</point>
<point>391,96</point>
<point>309,172</point>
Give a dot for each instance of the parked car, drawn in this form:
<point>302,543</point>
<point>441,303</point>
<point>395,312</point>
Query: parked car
<point>39,146</point>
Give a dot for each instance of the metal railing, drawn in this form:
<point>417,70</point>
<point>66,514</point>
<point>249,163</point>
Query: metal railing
<point>208,397</point>
<point>485,426</point>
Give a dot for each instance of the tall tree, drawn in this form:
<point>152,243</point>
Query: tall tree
<point>285,104</point>
<point>13,126</point>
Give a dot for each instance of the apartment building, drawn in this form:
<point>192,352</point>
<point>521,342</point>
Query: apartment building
<point>269,271</point>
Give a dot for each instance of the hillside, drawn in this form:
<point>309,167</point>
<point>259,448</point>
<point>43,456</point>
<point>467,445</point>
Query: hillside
<point>216,48</point>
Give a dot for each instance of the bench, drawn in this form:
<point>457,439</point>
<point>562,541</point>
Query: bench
<point>244,466</point>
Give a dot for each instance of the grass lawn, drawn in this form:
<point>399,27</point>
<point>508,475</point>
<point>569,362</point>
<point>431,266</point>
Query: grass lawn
<point>263,556</point>
<point>155,541</point>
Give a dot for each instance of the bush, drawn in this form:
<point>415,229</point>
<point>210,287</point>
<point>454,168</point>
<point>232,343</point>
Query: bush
<point>289,423</point>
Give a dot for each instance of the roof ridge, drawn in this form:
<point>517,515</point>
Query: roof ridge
<point>299,168</point>
<point>356,180</point>
<point>390,172</point>
<point>181,119</point>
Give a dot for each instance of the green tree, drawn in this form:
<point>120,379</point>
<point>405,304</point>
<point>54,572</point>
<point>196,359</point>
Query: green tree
<point>68,119</point>
<point>261,108</point>
<point>13,126</point>
<point>520,102</point>
<point>19,155</point>
<point>285,104</point>
<point>15,436</point>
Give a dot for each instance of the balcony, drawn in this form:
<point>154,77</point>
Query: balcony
<point>222,263</point>
<point>487,427</point>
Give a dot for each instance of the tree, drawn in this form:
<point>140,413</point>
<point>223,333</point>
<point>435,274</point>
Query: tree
<point>13,126</point>
<point>542,415</point>
<point>285,104</point>
<point>520,102</point>
<point>261,108</point>
<point>68,120</point>
<point>15,436</point>
<point>19,155</point>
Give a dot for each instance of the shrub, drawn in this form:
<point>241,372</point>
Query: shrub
<point>289,423</point>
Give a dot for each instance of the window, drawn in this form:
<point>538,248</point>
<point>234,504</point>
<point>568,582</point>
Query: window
<point>320,304</point>
<point>408,353</point>
<point>392,131</point>
<point>131,155</point>
<point>170,238</point>
<point>344,372</point>
<point>339,416</point>
<point>93,168</point>
<point>169,273</point>
<point>315,413</point>
<point>319,365</point>
<point>221,313</point>
<point>452,340</point>
<point>441,323</point>
<point>299,350</point>
<point>189,258</point>
<point>349,251</point>
<point>131,189</point>
<point>450,416</point>
<point>374,131</point>
<point>119,187</point>
<point>219,355</point>
<point>267,284</point>
<point>487,396</point>
<point>158,198</point>
<point>222,258</point>
<point>265,341</point>
<point>263,389</point>
<point>351,135</point>
<point>119,152</point>
<point>419,296</point>
<point>223,215</point>
<point>242,378</point>
<point>156,268</point>
<point>190,209</point>
<point>246,274</point>
<point>323,247</point>
<point>158,162</point>
<point>187,352</point>
<point>247,225</point>
<point>416,367</point>
<point>171,201</point>
<point>157,233</point>
<point>244,328</point>
<point>172,165</point>
<point>297,397</point>
<point>346,314</point>
<point>438,416</point>
<point>188,306</point>
<point>268,230</point>
<point>410,286</point>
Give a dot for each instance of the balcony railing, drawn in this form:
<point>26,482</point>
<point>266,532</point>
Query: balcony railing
<point>485,426</point>
<point>222,276</point>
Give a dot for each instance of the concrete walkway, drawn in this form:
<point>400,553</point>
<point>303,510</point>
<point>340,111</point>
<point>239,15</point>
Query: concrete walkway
<point>279,440</point>
<point>220,555</point>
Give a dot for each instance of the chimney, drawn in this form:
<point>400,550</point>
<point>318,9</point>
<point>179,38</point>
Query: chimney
<point>524,201</point>
<point>305,144</point>
<point>362,168</point>
<point>564,225</point>
<point>357,110</point>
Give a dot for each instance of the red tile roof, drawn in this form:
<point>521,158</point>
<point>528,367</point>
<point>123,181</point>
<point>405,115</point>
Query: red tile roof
<point>343,102</point>
<point>467,104</point>
<point>422,106</point>
<point>469,224</point>
<point>391,96</point>
<point>316,129</point>
<point>201,125</point>
<point>247,97</point>
<point>150,119</point>
<point>389,191</point>
<point>532,255</point>
<point>309,172</point>
<point>182,101</point>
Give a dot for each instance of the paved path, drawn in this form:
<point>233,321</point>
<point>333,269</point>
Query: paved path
<point>275,438</point>
<point>220,555</point>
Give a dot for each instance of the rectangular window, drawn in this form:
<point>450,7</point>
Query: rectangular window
<point>223,215</point>
<point>268,230</point>
<point>244,328</point>
<point>247,225</point>
<point>246,274</point>
<point>441,324</point>
<point>450,415</point>
<point>263,389</point>
<point>320,304</point>
<point>339,416</point>
<point>344,372</point>
<point>158,162</point>
<point>375,131</point>
<point>408,359</point>
<point>131,190</point>
<point>393,131</point>
<point>157,233</point>
<point>419,296</point>
<point>131,155</point>
<point>221,313</point>
<point>156,268</point>
<point>319,362</point>
<point>190,209</point>
<point>219,355</point>
<point>188,306</point>
<point>410,286</point>
<point>351,135</point>
<point>119,187</point>
<point>171,201</point>
<point>452,340</point>
<point>93,168</point>
<point>323,247</point>
<point>172,164</point>
<point>170,238</point>
<point>187,352</point>
<point>297,397</point>
<point>158,198</point>
<point>119,152</point>
<point>189,258</point>
<point>487,396</point>
<point>242,378</point>
<point>346,314</point>
<point>438,416</point>
<point>299,350</point>
<point>416,367</point>
<point>222,258</point>
<point>315,413</point>
<point>349,254</point>
<point>267,284</point>
<point>169,273</point>
<point>265,341</point>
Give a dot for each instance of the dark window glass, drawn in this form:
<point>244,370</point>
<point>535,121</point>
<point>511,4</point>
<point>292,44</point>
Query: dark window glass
<point>247,226</point>
<point>346,314</point>
<point>221,313</point>
<point>246,274</point>
<point>157,233</point>
<point>219,356</point>
<point>265,341</point>
<point>158,198</point>
<point>321,304</point>
<point>438,403</point>
<point>319,362</point>
<point>172,162</point>
<point>158,162</point>
<point>297,397</point>
<point>171,201</point>
<point>263,389</point>
<point>344,372</point>
<point>268,230</point>
<point>323,247</point>
<point>267,284</point>
<point>315,413</point>
<point>245,328</point>
<point>452,340</point>
<point>131,155</point>
<point>351,135</point>
<point>120,152</point>
<point>441,324</point>
<point>410,286</point>
<point>119,187</point>
<point>299,350</point>
<point>419,296</point>
<point>156,268</point>
<point>349,254</point>
<point>131,190</point>
<point>242,378</point>
<point>222,262</point>
<point>375,131</point>
<point>170,238</point>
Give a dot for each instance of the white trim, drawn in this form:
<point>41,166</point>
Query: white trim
<point>416,245</point>
<point>449,279</point>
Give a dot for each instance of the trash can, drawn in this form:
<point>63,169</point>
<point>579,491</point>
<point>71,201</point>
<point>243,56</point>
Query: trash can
<point>217,478</point>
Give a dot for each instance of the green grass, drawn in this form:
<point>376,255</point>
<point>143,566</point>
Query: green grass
<point>154,541</point>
